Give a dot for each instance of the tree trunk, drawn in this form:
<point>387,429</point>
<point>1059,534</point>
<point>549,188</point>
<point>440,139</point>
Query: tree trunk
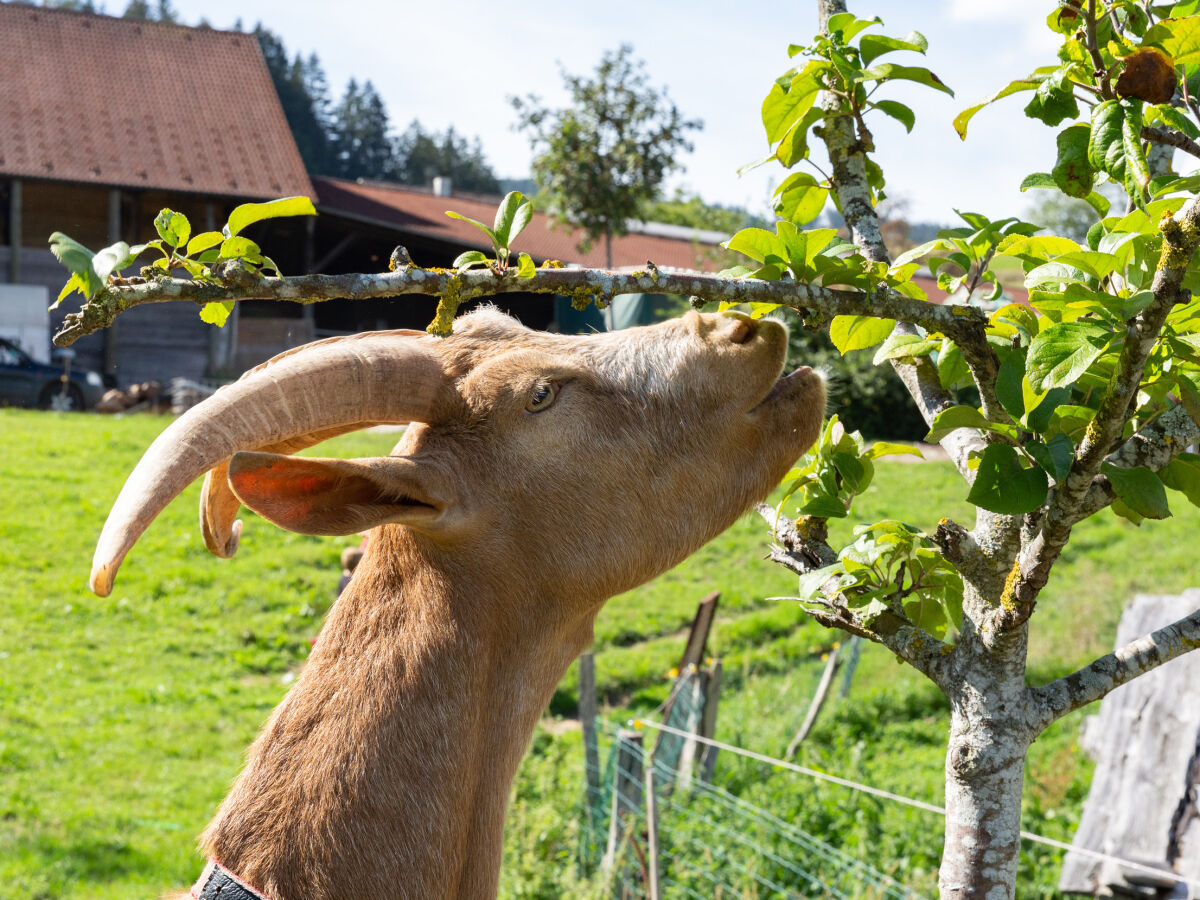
<point>990,733</point>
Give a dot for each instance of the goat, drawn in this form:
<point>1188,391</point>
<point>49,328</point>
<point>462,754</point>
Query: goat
<point>541,475</point>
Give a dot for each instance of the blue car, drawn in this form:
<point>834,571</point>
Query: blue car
<point>24,382</point>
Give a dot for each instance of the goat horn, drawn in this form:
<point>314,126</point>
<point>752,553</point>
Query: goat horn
<point>294,400</point>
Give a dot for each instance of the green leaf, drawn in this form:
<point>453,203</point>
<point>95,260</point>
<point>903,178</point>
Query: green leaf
<point>1115,144</point>
<point>858,332</point>
<point>512,216</point>
<point>897,111</point>
<point>956,417</point>
<point>800,198</point>
<point>1054,100</point>
<point>872,46</point>
<point>1072,172</point>
<point>204,241</point>
<point>241,248</point>
<point>1172,117</point>
<point>470,258</point>
<point>491,235</point>
<point>249,213</point>
<point>174,228</point>
<point>1139,489</point>
<point>1180,38</point>
<point>919,74</point>
<point>525,266</point>
<point>794,145</point>
<point>850,25</point>
<point>883,448</point>
<point>1063,352</point>
<point>853,472</point>
<point>1183,474</point>
<point>900,346</point>
<point>1013,87</point>
<point>78,260</point>
<point>217,312</point>
<point>1002,485</point>
<point>783,108</point>
<point>1055,456</point>
<point>108,260</point>
<point>757,243</point>
<point>824,506</point>
<point>74,283</point>
<point>952,368</point>
<point>1008,384</point>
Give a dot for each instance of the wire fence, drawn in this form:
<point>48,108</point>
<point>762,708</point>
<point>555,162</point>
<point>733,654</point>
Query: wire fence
<point>706,843</point>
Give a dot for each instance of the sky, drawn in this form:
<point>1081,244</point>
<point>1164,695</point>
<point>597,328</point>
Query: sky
<point>455,62</point>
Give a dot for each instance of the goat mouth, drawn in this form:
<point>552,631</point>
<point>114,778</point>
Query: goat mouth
<point>785,384</point>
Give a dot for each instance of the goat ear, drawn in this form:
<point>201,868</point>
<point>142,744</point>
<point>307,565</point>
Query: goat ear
<point>337,496</point>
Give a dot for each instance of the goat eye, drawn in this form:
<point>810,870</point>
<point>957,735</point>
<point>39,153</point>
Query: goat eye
<point>542,396</point>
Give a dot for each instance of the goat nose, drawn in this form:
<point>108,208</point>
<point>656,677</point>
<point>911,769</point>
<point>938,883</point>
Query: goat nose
<point>741,327</point>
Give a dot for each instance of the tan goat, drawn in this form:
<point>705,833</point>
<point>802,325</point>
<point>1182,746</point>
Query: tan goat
<point>544,474</point>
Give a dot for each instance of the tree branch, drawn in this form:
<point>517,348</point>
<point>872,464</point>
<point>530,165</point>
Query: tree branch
<point>1171,139</point>
<point>1093,48</point>
<point>582,285</point>
<point>1181,237</point>
<point>1095,680</point>
<point>1153,447</point>
<point>849,179</point>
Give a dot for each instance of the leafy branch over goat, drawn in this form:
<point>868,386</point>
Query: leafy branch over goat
<point>542,474</point>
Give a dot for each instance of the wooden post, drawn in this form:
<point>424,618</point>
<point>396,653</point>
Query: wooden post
<point>708,723</point>
<point>591,753</point>
<point>626,797</point>
<point>818,700</point>
<point>653,888</point>
<point>14,230</point>
<point>693,651</point>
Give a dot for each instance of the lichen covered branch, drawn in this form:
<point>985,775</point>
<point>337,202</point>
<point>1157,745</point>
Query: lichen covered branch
<point>582,285</point>
<point>1098,678</point>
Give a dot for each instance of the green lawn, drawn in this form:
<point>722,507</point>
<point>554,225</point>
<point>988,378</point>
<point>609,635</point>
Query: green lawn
<point>123,720</point>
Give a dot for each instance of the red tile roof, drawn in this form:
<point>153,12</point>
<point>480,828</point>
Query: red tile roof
<point>421,212</point>
<point>110,101</point>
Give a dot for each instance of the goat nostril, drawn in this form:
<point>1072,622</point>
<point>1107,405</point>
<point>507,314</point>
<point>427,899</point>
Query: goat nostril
<point>742,329</point>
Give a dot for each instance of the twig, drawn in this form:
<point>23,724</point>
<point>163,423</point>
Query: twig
<point>1171,138</point>
<point>1093,48</point>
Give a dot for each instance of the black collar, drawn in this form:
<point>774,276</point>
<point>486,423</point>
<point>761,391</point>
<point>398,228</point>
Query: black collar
<point>216,883</point>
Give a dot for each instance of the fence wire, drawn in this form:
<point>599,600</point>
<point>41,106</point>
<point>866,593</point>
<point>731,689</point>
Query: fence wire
<point>711,844</point>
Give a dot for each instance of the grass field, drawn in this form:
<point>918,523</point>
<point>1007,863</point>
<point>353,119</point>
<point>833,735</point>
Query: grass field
<point>123,720</point>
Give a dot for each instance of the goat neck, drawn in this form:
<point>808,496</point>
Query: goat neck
<point>385,773</point>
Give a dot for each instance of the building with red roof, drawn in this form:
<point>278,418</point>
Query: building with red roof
<point>104,121</point>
